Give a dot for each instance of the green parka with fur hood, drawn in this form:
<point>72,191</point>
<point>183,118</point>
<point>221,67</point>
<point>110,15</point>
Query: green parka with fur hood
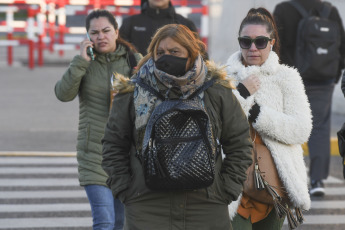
<point>91,82</point>
<point>199,209</point>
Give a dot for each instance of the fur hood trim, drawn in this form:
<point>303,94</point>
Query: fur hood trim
<point>122,84</point>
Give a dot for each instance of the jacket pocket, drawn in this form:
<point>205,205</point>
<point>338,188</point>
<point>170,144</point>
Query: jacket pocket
<point>122,196</point>
<point>218,188</point>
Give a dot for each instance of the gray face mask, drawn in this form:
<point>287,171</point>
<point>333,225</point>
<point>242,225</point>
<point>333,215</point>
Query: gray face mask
<point>172,65</point>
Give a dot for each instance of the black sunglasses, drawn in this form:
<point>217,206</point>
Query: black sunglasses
<point>260,42</point>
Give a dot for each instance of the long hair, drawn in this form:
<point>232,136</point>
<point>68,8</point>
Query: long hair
<point>105,13</point>
<point>262,16</point>
<point>180,34</point>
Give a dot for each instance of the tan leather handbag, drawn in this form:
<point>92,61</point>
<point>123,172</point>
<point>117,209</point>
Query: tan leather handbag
<point>263,183</point>
<point>262,174</point>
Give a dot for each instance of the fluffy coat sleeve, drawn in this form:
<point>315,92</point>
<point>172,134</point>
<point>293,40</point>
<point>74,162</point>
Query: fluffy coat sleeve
<point>289,122</point>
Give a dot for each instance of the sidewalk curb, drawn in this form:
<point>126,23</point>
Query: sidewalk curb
<point>334,147</point>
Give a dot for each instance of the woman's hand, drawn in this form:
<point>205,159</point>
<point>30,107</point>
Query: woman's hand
<point>252,83</point>
<point>83,49</point>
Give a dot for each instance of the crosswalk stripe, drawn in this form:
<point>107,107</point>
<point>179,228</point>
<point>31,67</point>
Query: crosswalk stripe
<point>324,219</point>
<point>40,170</point>
<point>329,204</point>
<point>14,166</point>
<point>42,194</point>
<point>7,208</point>
<point>335,191</point>
<point>333,180</point>
<point>37,154</point>
<point>37,160</point>
<point>27,223</point>
<point>38,182</point>
<point>321,220</point>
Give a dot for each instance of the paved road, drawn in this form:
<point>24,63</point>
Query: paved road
<point>43,193</point>
<point>31,118</point>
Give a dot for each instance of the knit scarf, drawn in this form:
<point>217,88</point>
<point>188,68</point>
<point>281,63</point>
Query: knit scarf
<point>145,102</point>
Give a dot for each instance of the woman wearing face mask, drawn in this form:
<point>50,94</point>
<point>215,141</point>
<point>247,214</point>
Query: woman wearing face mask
<point>174,64</point>
<point>91,81</point>
<point>273,98</point>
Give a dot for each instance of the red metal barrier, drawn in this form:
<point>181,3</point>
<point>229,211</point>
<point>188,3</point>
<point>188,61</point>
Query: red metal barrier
<point>40,31</point>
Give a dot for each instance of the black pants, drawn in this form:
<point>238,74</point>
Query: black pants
<point>320,98</point>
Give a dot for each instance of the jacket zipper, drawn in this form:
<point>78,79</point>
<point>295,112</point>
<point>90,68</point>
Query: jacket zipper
<point>109,76</point>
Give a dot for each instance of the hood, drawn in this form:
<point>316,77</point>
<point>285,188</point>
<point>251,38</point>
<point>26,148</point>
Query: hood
<point>114,56</point>
<point>145,5</point>
<point>125,85</point>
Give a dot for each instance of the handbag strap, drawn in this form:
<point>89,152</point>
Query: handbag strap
<point>253,137</point>
<point>256,139</point>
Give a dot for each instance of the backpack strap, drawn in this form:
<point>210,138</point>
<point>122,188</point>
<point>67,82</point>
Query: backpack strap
<point>326,10</point>
<point>299,8</point>
<point>132,61</point>
<point>205,86</point>
<point>149,88</point>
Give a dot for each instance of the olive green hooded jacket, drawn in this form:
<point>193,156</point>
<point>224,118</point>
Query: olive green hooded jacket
<point>91,82</point>
<point>178,209</point>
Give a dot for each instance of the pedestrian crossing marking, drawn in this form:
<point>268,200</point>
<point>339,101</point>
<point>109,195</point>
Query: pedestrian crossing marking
<point>43,194</point>
<point>39,170</point>
<point>328,204</point>
<point>324,219</point>
<point>37,160</point>
<point>335,191</point>
<point>67,207</point>
<point>30,182</point>
<point>333,180</point>
<point>37,153</point>
<point>26,223</point>
<point>37,191</point>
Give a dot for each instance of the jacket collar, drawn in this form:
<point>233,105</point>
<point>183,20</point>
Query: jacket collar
<point>125,85</point>
<point>235,66</point>
<point>114,56</point>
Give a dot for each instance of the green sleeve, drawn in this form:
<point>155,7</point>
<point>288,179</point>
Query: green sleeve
<point>68,87</point>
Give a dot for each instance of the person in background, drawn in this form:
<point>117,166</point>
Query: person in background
<point>273,98</point>
<point>90,80</point>
<point>319,93</point>
<point>174,64</point>
<point>139,29</point>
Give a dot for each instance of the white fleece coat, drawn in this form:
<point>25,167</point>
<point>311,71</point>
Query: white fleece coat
<point>284,121</point>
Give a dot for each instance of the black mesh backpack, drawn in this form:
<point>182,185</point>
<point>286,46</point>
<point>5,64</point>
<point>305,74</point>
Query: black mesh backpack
<point>317,55</point>
<point>179,148</point>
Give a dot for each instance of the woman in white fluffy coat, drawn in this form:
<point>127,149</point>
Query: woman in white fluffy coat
<point>273,98</point>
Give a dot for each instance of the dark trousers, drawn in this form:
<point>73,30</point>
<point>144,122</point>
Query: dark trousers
<point>320,99</point>
<point>271,222</point>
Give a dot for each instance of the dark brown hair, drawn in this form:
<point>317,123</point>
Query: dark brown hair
<point>106,14</point>
<point>182,35</point>
<point>261,16</point>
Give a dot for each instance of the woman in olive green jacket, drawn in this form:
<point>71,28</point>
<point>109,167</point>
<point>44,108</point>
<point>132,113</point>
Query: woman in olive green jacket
<point>91,81</point>
<point>174,54</point>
